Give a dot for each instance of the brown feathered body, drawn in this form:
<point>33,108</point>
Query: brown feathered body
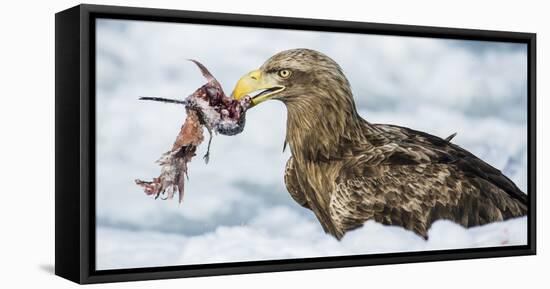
<point>347,170</point>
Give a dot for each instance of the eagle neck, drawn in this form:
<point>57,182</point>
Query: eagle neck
<point>320,129</point>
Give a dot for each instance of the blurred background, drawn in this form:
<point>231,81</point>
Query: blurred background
<point>236,208</point>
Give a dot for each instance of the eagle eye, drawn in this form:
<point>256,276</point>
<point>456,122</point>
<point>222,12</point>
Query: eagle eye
<point>284,73</point>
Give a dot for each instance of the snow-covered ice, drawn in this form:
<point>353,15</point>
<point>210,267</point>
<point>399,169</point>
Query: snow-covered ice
<point>280,233</point>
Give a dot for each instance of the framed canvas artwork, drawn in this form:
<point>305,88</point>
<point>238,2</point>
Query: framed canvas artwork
<point>193,143</point>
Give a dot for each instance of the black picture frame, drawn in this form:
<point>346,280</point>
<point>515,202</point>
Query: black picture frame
<point>75,143</point>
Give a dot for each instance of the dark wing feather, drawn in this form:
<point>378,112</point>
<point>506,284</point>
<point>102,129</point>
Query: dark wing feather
<point>449,138</point>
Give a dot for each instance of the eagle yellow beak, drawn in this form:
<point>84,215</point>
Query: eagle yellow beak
<point>256,85</point>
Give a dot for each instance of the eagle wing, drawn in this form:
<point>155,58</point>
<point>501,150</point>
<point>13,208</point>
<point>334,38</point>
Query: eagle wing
<point>412,178</point>
<point>415,196</point>
<point>442,151</point>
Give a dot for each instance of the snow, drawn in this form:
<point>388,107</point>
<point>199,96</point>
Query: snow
<point>279,233</point>
<point>236,207</point>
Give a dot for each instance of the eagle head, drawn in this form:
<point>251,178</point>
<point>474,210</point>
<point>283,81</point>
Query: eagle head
<point>294,75</point>
<point>318,97</point>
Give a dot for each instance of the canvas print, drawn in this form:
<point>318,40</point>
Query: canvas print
<point>220,144</point>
